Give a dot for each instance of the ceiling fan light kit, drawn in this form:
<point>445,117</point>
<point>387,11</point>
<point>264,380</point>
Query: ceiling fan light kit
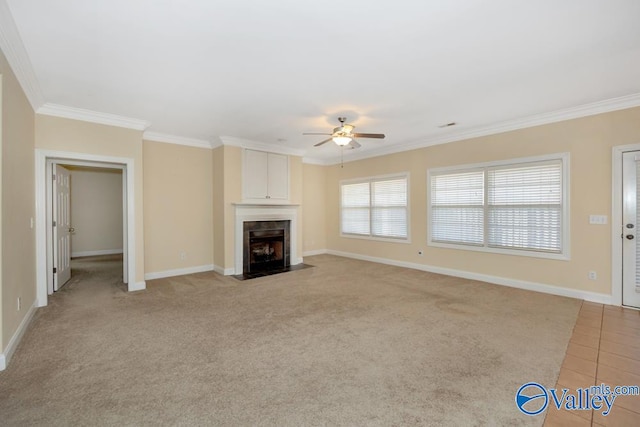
<point>343,135</point>
<point>342,140</point>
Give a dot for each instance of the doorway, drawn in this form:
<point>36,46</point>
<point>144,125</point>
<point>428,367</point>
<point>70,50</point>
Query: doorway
<point>45,161</point>
<point>625,223</point>
<point>88,214</point>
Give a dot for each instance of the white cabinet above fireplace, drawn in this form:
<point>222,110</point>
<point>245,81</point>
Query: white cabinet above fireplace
<point>265,177</point>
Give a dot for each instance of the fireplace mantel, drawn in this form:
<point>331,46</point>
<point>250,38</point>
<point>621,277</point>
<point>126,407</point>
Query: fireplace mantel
<point>265,212</point>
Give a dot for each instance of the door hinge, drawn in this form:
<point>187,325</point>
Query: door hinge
<point>54,223</point>
<point>55,270</point>
<point>54,176</point>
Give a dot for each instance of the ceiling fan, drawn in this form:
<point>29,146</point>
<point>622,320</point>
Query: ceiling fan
<point>344,136</point>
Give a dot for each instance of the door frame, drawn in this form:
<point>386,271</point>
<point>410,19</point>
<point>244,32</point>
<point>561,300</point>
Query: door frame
<point>616,220</point>
<point>44,171</point>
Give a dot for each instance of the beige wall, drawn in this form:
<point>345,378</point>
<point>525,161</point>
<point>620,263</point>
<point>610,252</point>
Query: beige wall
<point>18,277</point>
<point>217,157</point>
<point>96,210</point>
<point>55,133</point>
<point>232,194</point>
<point>314,232</point>
<point>178,207</point>
<point>296,188</point>
<point>589,141</point>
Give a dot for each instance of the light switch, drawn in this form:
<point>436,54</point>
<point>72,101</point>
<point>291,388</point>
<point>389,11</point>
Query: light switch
<point>598,219</point>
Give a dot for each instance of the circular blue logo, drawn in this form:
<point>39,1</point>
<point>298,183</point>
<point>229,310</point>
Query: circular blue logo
<point>532,398</point>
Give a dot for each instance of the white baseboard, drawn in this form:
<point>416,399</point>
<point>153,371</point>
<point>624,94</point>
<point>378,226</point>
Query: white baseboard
<point>496,280</point>
<point>224,271</point>
<point>179,272</point>
<point>315,252</point>
<point>96,253</point>
<point>138,286</point>
<point>6,355</point>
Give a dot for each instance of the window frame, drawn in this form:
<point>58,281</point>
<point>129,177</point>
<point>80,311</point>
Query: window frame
<point>370,180</point>
<point>565,241</point>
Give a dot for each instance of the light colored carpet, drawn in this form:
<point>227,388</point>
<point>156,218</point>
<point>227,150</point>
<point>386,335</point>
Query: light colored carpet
<point>344,343</point>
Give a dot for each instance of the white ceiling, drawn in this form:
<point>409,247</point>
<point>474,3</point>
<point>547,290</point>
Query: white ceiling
<point>267,71</point>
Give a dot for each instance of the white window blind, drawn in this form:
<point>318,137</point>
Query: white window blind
<point>389,208</point>
<point>525,207</point>
<point>457,211</point>
<point>355,208</point>
<point>376,207</point>
<point>516,206</point>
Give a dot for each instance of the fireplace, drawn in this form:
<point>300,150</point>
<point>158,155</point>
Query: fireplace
<point>270,217</point>
<point>266,246</point>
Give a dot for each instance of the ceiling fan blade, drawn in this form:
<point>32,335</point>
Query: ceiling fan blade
<point>354,144</point>
<point>369,135</point>
<point>322,142</point>
<point>316,133</point>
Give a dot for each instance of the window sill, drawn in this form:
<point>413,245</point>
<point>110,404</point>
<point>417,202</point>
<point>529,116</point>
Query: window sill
<point>530,254</point>
<point>377,239</point>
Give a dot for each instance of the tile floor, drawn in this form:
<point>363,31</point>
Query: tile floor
<point>604,348</point>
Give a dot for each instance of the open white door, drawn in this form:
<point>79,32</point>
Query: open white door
<point>61,227</point>
<point>629,232</point>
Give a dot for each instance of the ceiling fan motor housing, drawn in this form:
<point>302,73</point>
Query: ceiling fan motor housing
<point>344,129</point>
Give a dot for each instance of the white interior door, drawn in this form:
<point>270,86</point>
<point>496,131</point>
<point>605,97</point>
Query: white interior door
<point>629,232</point>
<point>61,227</point>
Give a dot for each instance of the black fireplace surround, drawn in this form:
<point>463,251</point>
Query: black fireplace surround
<point>266,246</point>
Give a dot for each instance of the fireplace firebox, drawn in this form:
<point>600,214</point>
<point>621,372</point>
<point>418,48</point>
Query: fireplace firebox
<point>266,246</point>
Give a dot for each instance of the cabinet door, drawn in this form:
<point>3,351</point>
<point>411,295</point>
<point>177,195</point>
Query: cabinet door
<point>255,174</point>
<point>278,170</point>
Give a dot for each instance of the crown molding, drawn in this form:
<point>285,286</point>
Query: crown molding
<point>17,57</point>
<point>216,143</point>
<point>56,110</point>
<point>585,110</point>
<point>255,145</point>
<point>178,140</point>
<point>314,161</point>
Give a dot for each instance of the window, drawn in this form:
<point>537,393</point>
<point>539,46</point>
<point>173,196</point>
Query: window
<point>515,207</point>
<point>375,207</point>
<point>457,208</point>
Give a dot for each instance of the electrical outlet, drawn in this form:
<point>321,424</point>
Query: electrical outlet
<point>593,275</point>
<point>183,255</point>
<point>19,303</point>
<point>598,219</point>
